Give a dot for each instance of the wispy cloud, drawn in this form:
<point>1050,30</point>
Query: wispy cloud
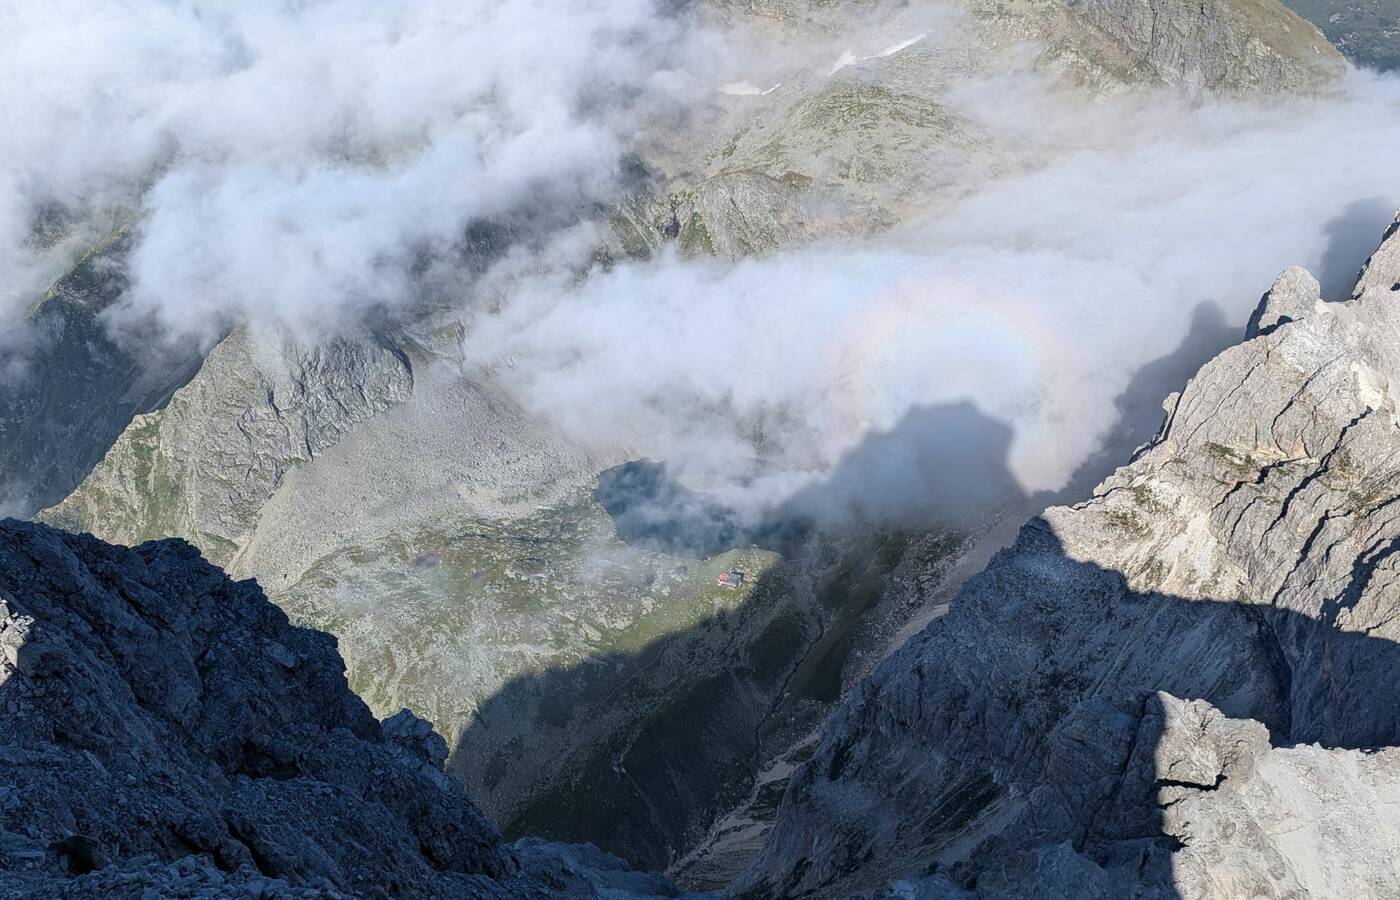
<point>295,159</point>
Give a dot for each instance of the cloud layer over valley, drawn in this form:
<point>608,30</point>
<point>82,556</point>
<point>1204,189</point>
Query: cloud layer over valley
<point>1036,299</point>
<point>297,159</point>
<point>306,161</point>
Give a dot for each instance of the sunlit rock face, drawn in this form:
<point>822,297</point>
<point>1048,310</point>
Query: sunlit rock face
<point>1154,692</point>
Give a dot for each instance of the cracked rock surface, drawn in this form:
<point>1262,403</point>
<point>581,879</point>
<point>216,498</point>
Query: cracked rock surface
<point>1244,561</point>
<point>203,465</point>
<point>164,729</point>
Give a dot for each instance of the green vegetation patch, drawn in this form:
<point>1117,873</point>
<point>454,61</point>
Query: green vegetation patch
<point>465,609</point>
<point>695,236</point>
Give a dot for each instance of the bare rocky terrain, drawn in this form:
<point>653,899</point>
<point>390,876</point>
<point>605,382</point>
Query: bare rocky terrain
<point>1173,689</point>
<point>167,732</point>
<point>381,489</point>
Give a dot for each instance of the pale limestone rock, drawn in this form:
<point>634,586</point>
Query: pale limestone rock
<point>1244,561</point>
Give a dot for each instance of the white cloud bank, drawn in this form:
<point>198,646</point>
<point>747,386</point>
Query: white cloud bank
<point>294,158</point>
<point>1036,300</point>
<point>297,158</point>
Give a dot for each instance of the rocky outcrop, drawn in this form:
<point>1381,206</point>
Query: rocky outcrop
<point>1256,821</point>
<point>164,728</point>
<point>1224,46</point>
<point>1243,561</point>
<point>203,465</point>
<point>1229,804</point>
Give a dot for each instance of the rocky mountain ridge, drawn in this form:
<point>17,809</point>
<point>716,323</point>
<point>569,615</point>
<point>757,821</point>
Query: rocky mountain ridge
<point>76,386</point>
<point>1174,689</point>
<point>1178,688</point>
<point>204,463</point>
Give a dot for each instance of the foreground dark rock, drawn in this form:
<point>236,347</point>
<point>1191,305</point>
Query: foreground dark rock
<point>164,728</point>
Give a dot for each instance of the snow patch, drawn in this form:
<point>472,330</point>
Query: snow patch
<point>747,89</point>
<point>902,45</point>
<point>849,57</point>
<point>845,59</point>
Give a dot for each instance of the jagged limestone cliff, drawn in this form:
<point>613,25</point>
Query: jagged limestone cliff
<point>1244,562</point>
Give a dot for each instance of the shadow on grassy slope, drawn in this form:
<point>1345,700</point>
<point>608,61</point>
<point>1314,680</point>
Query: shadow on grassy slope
<point>641,752</point>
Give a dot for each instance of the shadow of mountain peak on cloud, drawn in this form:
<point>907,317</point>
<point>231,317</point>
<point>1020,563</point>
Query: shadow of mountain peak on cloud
<point>642,750</point>
<point>943,465</point>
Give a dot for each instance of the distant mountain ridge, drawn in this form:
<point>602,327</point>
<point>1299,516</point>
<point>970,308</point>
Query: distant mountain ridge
<point>1366,31</point>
